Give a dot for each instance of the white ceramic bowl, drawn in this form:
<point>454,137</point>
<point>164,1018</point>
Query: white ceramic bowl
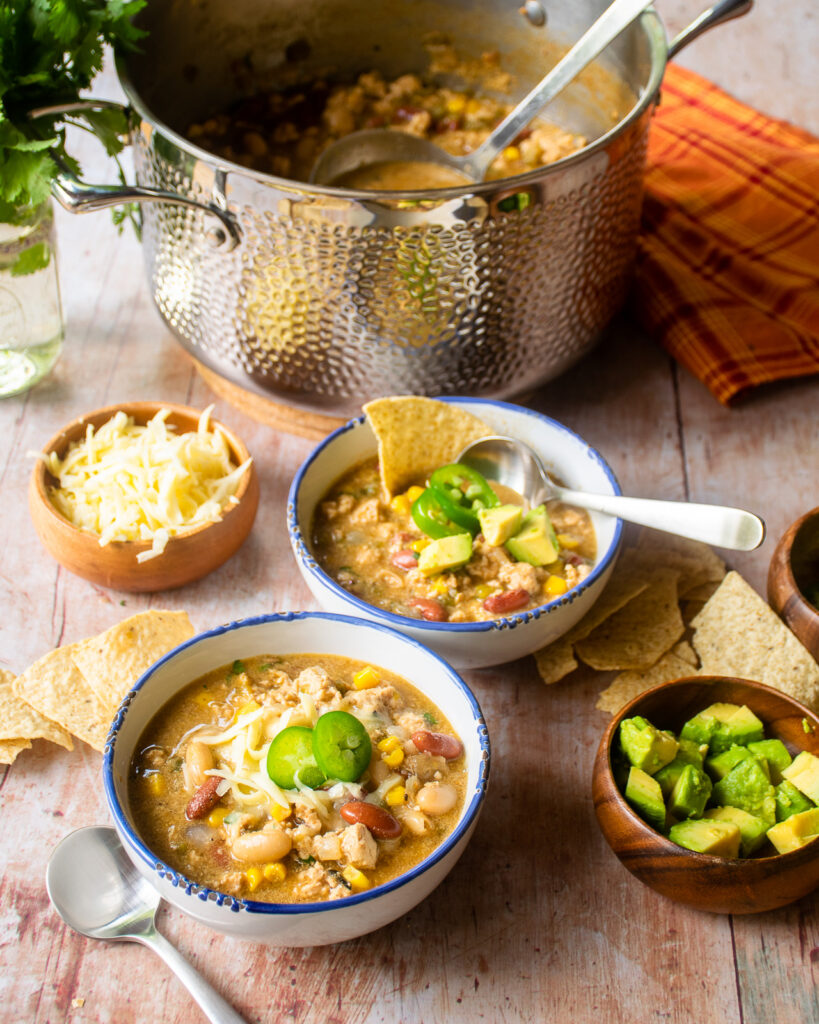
<point>465,644</point>
<point>297,924</point>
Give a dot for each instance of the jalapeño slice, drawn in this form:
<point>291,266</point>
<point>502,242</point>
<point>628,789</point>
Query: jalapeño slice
<point>429,516</point>
<point>291,753</point>
<point>341,746</point>
<point>464,487</point>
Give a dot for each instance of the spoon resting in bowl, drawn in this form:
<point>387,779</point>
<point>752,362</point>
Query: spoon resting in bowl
<point>98,892</point>
<point>513,463</point>
<point>382,146</point>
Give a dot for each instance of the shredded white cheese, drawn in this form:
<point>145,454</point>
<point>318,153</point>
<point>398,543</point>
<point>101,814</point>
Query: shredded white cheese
<point>130,482</point>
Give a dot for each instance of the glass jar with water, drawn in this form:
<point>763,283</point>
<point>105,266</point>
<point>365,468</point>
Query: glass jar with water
<point>31,320</point>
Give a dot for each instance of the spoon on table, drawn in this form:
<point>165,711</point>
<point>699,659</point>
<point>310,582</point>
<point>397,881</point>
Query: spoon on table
<point>383,145</point>
<point>98,892</point>
<point>509,461</point>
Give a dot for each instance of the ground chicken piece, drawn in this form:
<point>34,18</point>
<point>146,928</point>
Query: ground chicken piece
<point>338,119</point>
<point>275,688</point>
<point>372,83</point>
<point>383,700</point>
<point>316,683</point>
<point>520,576</point>
<point>367,512</point>
<point>359,847</point>
<point>313,883</point>
<point>341,506</point>
<point>327,846</point>
<point>412,721</point>
<point>307,822</point>
<point>233,882</point>
<point>418,124</point>
<point>565,518</point>
<point>424,765</point>
<point>486,562</point>
<point>403,86</point>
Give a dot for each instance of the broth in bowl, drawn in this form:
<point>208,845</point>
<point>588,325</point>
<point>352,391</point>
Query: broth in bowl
<point>297,779</point>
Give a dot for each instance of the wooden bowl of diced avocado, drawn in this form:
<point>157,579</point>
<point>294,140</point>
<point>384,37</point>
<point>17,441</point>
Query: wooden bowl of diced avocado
<point>707,789</point>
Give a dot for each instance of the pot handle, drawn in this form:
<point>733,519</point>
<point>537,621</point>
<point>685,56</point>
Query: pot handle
<point>79,197</point>
<point>725,10</point>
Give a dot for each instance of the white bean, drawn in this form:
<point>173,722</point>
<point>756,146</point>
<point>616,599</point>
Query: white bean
<point>198,758</point>
<point>436,798</point>
<point>270,844</point>
<point>414,821</point>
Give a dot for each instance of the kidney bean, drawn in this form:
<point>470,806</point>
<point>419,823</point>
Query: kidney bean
<point>437,743</point>
<point>380,822</point>
<point>433,611</point>
<point>204,799</point>
<point>405,560</point>
<point>508,602</point>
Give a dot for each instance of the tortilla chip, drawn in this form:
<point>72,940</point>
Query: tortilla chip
<point>113,661</point>
<point>641,632</point>
<point>685,651</point>
<point>56,688</point>
<point>556,661</point>
<point>19,721</point>
<point>416,435</point>
<point>738,634</point>
<point>695,563</point>
<point>629,685</point>
<point>703,592</point>
<point>9,749</point>
<point>626,581</point>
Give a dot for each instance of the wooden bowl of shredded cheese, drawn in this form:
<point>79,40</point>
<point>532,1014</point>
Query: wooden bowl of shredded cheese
<point>143,496</point>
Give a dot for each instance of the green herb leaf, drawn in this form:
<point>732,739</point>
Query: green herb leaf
<point>236,668</point>
<point>36,257</point>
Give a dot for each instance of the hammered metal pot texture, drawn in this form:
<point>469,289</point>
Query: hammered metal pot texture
<point>331,299</point>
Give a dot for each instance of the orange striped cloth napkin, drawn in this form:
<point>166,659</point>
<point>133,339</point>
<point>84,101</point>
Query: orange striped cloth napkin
<point>728,258</point>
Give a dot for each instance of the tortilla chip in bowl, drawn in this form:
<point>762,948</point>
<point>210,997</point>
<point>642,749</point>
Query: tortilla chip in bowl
<point>466,644</point>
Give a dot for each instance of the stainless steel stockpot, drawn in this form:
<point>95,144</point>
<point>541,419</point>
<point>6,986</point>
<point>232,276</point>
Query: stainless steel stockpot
<point>323,298</point>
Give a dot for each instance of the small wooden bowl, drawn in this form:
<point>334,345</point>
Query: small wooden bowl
<point>717,884</point>
<point>188,556</point>
<point>794,566</point>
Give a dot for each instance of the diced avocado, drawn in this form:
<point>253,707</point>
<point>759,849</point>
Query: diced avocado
<point>723,725</point>
<point>752,829</point>
<point>645,796</point>
<point>775,753</point>
<point>690,794</point>
<point>789,800</point>
<point>719,765</point>
<point>694,753</point>
<point>667,776</point>
<point>719,838</point>
<point>535,542</point>
<point>500,523</point>
<point>645,746</point>
<point>746,786</point>
<point>446,553</point>
<point>794,832</point>
<point>804,774</point>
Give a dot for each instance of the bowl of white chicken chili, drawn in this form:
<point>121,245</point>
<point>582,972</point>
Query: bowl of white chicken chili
<point>297,779</point>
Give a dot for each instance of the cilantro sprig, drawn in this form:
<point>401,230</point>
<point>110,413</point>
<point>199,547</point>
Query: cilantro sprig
<point>50,50</point>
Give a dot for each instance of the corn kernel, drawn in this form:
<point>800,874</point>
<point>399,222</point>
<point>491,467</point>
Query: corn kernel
<point>156,784</point>
<point>439,587</point>
<point>482,590</point>
<point>217,816</point>
<point>253,877</point>
<point>419,545</point>
<point>566,540</point>
<point>357,879</point>
<point>400,504</point>
<point>511,153</point>
<point>280,813</point>
<point>414,493</point>
<point>366,678</point>
<point>275,872</point>
<point>455,104</point>
<point>473,106</point>
<point>394,758</point>
<point>388,744</point>
<point>396,796</point>
<point>555,585</point>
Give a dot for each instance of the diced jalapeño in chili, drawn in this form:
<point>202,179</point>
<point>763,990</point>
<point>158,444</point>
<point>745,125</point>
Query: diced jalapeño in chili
<point>341,746</point>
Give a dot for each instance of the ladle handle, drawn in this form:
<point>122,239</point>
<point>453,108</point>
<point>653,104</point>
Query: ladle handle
<point>214,1007</point>
<point>723,527</point>
<point>608,26</point>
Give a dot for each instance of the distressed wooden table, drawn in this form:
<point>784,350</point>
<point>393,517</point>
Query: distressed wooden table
<point>538,921</point>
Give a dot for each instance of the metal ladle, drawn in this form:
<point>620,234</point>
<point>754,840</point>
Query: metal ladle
<point>513,463</point>
<point>98,892</point>
<point>382,145</point>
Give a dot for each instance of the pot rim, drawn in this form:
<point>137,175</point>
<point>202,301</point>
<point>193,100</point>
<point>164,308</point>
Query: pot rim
<point>649,22</point>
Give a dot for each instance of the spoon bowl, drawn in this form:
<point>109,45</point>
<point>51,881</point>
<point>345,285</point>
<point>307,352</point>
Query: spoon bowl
<point>513,463</point>
<point>98,892</point>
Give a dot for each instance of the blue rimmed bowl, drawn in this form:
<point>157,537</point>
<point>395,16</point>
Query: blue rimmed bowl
<point>464,644</point>
<point>297,924</point>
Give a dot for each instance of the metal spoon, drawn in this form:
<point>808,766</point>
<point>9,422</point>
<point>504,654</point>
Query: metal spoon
<point>380,145</point>
<point>511,462</point>
<point>97,891</point>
